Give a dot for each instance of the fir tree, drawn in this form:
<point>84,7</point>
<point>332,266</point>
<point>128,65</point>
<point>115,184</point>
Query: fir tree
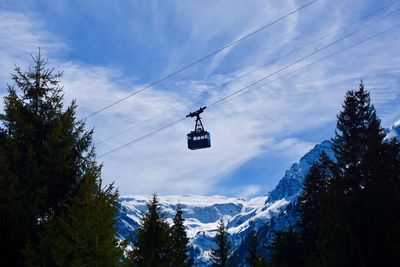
<point>356,230</point>
<point>220,255</point>
<point>381,207</point>
<point>43,157</point>
<point>255,258</point>
<point>358,140</point>
<point>152,247</point>
<point>314,187</point>
<point>179,241</point>
<point>85,234</point>
<point>286,249</point>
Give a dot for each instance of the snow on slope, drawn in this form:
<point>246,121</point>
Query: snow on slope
<point>268,213</point>
<point>202,213</point>
<point>394,130</point>
<point>290,185</point>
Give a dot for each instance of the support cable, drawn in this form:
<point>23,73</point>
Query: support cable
<point>229,97</point>
<point>202,58</point>
<point>252,71</point>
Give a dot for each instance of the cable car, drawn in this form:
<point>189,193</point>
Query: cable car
<point>199,138</point>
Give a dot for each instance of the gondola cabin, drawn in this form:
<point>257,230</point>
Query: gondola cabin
<point>198,140</point>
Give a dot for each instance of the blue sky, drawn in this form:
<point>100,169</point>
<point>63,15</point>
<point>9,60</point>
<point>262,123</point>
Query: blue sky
<point>108,49</point>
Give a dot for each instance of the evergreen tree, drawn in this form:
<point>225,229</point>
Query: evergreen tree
<point>85,233</point>
<point>255,258</point>
<point>43,157</point>
<point>220,255</point>
<point>314,187</point>
<point>356,230</point>
<point>179,241</point>
<point>152,247</point>
<point>381,208</point>
<point>358,140</point>
<point>286,249</point>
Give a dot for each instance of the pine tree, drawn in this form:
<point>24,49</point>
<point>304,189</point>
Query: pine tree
<point>85,233</point>
<point>220,255</point>
<point>286,249</point>
<point>358,140</point>
<point>255,258</point>
<point>179,241</point>
<point>152,247</point>
<point>314,187</point>
<point>381,206</point>
<point>44,156</point>
<point>356,230</point>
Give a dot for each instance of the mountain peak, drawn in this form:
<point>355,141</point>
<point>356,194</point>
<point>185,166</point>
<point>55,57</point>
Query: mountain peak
<point>290,185</point>
<point>394,130</point>
<point>396,124</point>
<point>274,211</point>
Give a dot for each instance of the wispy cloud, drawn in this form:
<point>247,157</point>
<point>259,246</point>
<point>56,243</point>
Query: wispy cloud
<point>21,34</point>
<point>275,119</point>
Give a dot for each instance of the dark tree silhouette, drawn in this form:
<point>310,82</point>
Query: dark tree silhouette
<point>179,241</point>
<point>220,255</point>
<point>360,211</point>
<point>286,249</point>
<point>309,202</point>
<point>255,258</point>
<point>152,247</point>
<point>44,155</point>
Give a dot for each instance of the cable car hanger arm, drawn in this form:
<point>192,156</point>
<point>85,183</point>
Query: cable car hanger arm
<point>196,113</point>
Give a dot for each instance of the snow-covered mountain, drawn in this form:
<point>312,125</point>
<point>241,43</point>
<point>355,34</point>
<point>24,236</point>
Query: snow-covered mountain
<point>265,214</point>
<point>290,185</point>
<point>394,130</point>
<point>202,213</point>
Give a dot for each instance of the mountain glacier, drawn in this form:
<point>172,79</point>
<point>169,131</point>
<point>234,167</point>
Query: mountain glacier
<point>264,214</point>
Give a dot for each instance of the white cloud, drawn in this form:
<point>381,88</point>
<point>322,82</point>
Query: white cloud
<point>271,118</point>
<point>247,191</point>
<point>21,35</point>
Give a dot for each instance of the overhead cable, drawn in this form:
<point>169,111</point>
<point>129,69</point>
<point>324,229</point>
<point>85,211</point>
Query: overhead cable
<point>253,70</point>
<point>321,38</point>
<point>315,62</point>
<point>303,58</point>
<point>202,58</point>
<point>228,97</point>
